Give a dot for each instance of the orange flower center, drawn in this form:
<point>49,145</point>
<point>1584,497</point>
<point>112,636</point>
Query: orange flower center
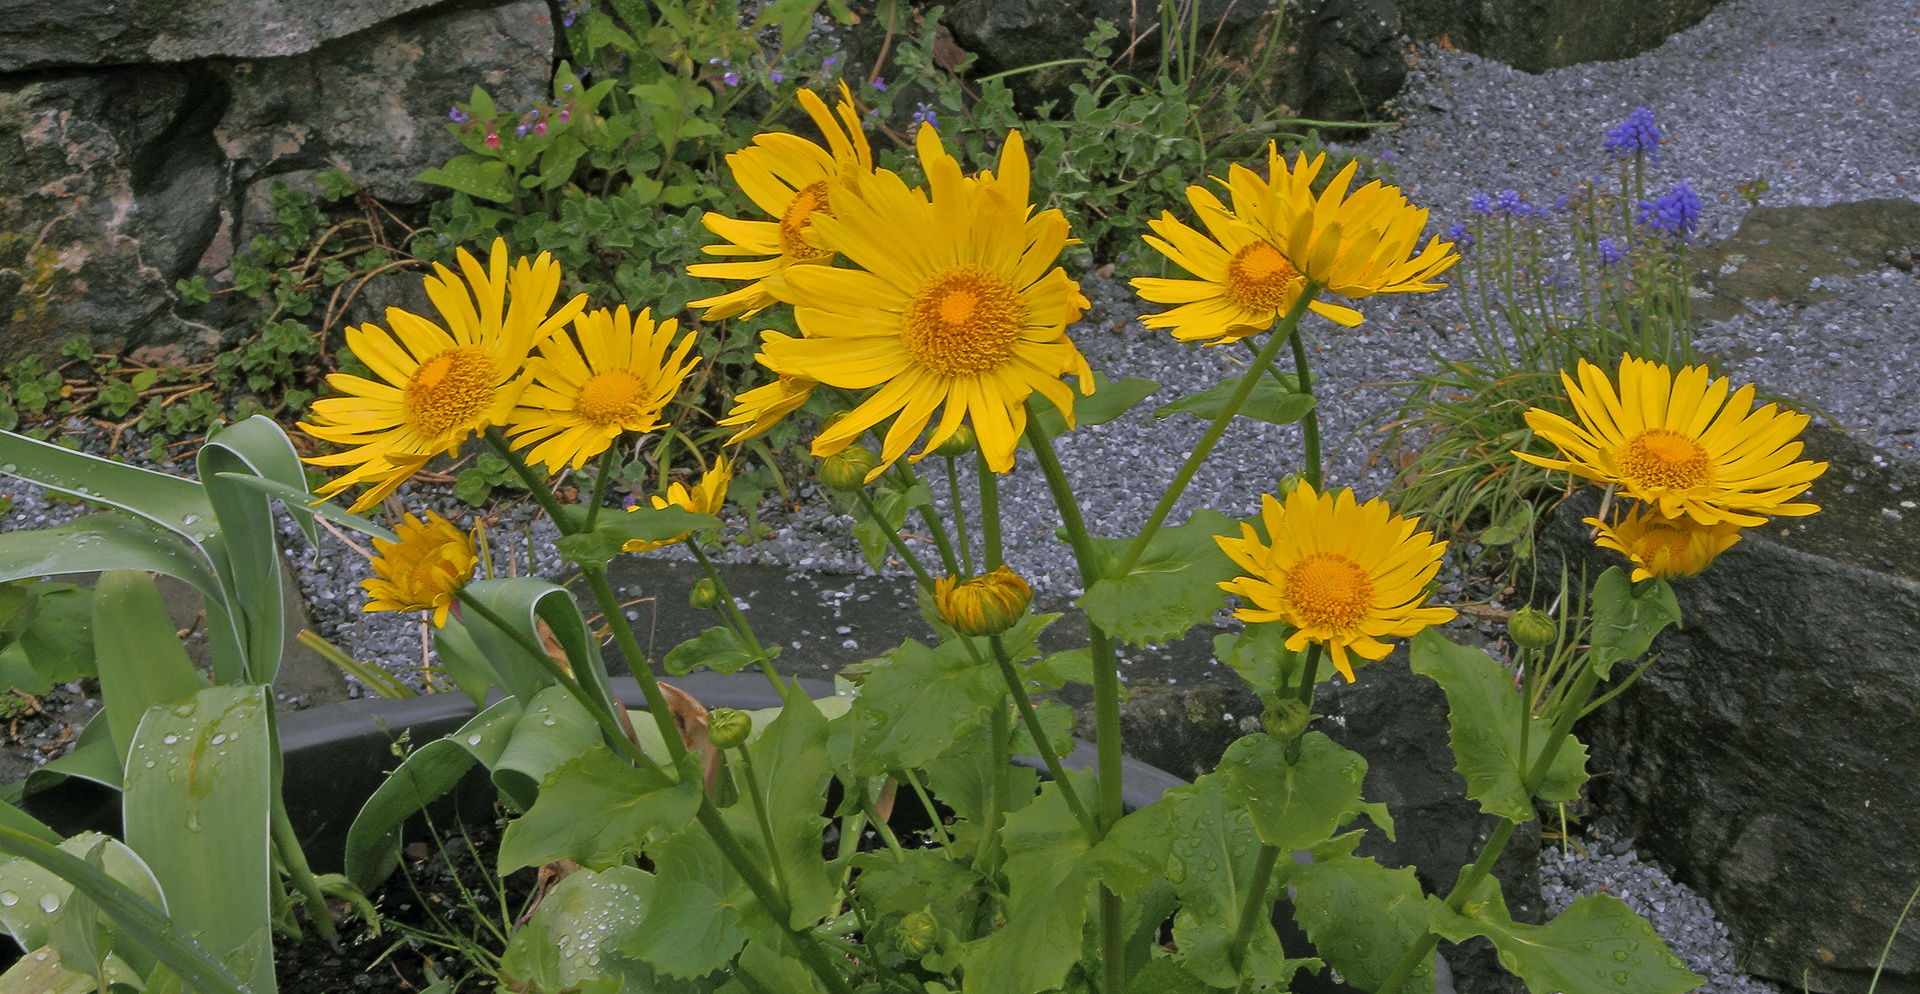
<point>1328,590</point>
<point>1660,458</point>
<point>1660,537</point>
<point>963,320</point>
<point>799,216</point>
<point>1259,278</point>
<point>449,391</point>
<point>611,398</point>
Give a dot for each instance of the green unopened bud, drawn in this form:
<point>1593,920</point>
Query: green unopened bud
<point>705,594</point>
<point>1530,628</point>
<point>917,934</point>
<point>957,444</point>
<point>984,605</point>
<point>1285,718</point>
<point>727,728</point>
<point>1288,484</point>
<point>846,470</point>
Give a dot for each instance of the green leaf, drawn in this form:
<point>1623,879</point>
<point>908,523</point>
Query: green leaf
<point>1484,712</point>
<point>94,758</point>
<point>175,503</point>
<point>1261,657</point>
<point>641,524</point>
<point>1627,617</point>
<point>554,730</point>
<point>718,649</point>
<point>28,920</point>
<point>1108,401</point>
<point>42,971</point>
<point>252,571</point>
<point>1361,916</point>
<point>373,840</point>
<point>599,811</point>
<point>1215,850</point>
<point>1175,586</point>
<point>524,603</point>
<point>694,926</point>
<point>140,659</point>
<point>1165,976</point>
<point>791,766</point>
<point>917,702</point>
<point>1597,946</point>
<point>54,631</point>
<point>1298,805</point>
<point>1270,401</point>
<point>474,175</point>
<point>922,879</point>
<point>573,938</point>
<point>197,803</point>
<point>331,512</point>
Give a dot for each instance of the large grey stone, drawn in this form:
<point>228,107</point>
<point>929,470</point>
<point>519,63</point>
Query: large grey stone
<point>1769,755</point>
<point>1537,35</point>
<point>40,34</point>
<point>1779,251</point>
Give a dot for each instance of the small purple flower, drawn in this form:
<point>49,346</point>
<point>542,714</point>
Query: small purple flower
<point>927,115</point>
<point>775,76</point>
<point>1460,236</point>
<point>730,78</point>
<point>459,116</point>
<point>565,115</point>
<point>873,119</point>
<point>880,83</point>
<point>566,19</point>
<point>1560,203</point>
<point>1637,135</point>
<point>1611,253</point>
<point>1510,204</point>
<point>521,131</point>
<point>827,63</point>
<point>1481,204</point>
<point>1675,213</point>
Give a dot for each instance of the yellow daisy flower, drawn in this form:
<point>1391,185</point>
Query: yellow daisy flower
<point>1244,282</point>
<point>1678,442</point>
<point>788,177</point>
<point>1664,547</point>
<point>756,410</point>
<point>623,372</point>
<point>957,304</point>
<point>1343,574</point>
<point>441,384</point>
<point>705,497</point>
<point>424,570</point>
<point>1356,245</point>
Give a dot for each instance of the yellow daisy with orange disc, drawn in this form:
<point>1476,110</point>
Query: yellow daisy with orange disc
<point>437,386</point>
<point>756,410</point>
<point>424,570</point>
<point>956,309</point>
<point>1342,574</point>
<point>1664,547</point>
<point>618,378</point>
<point>788,177</point>
<point>705,497</point>
<point>1681,443</point>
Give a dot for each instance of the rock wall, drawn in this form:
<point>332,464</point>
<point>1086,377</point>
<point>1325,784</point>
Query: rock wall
<point>135,136</point>
<point>1538,35</point>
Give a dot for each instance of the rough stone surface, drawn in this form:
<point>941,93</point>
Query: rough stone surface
<point>1537,35</point>
<point>1794,254</point>
<point>41,34</point>
<point>1767,756</point>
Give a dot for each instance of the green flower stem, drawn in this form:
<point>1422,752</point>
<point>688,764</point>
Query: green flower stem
<point>1289,328</point>
<point>811,952</point>
<point>1017,688</point>
<point>1255,909</point>
<point>1309,425</point>
<point>1106,699</point>
<point>1310,674</point>
<point>596,577</point>
<point>766,822</point>
<point>894,539</point>
<point>738,620</point>
<point>934,525</point>
<point>959,518</point>
<point>885,830</point>
<point>933,813</point>
<point>986,857</point>
<point>287,842</point>
<point>989,512</point>
<point>536,484</point>
<point>609,725</point>
<point>604,470</point>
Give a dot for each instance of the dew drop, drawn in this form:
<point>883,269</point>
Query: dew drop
<point>474,739</point>
<point>219,739</point>
<point>171,739</point>
<point>150,764</point>
<point>1620,977</point>
<point>49,903</point>
<point>9,898</point>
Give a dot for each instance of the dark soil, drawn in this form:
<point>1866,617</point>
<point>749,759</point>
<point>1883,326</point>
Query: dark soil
<point>36,729</point>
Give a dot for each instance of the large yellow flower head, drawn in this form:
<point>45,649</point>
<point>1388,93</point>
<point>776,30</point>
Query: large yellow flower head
<point>1356,245</point>
<point>1243,284</point>
<point>1680,443</point>
<point>424,570</point>
<point>756,410</point>
<point>620,376</point>
<point>705,497</point>
<point>1664,547</point>
<point>1343,574</point>
<point>437,385</point>
<point>956,308</point>
<point>788,177</point>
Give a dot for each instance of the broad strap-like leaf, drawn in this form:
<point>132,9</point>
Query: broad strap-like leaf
<point>1627,616</point>
<point>599,811</point>
<point>916,703</point>
<point>1174,586</point>
<point>94,758</point>
<point>30,921</point>
<point>1215,850</point>
<point>173,502</point>
<point>256,447</point>
<point>552,731</point>
<point>137,654</point>
<point>1361,916</point>
<point>1301,804</point>
<point>373,840</point>
<point>1484,712</point>
<point>524,603</point>
<point>1271,401</point>
<point>332,512</point>
<point>1598,945</point>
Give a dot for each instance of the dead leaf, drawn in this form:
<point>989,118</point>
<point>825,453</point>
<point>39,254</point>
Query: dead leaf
<point>690,717</point>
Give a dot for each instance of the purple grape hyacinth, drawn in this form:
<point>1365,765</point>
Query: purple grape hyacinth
<point>1481,204</point>
<point>1675,213</point>
<point>1460,236</point>
<point>1637,135</point>
<point>1611,252</point>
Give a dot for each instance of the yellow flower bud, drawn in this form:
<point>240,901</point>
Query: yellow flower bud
<point>846,471</point>
<point>704,595</point>
<point>957,444</point>
<point>1531,628</point>
<point>984,605</point>
<point>917,934</point>
<point>727,728</point>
